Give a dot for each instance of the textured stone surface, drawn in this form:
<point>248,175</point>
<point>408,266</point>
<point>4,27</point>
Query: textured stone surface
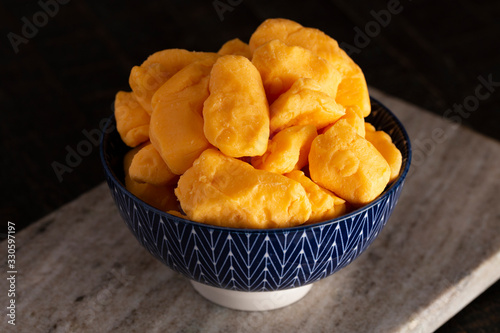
<point>80,269</point>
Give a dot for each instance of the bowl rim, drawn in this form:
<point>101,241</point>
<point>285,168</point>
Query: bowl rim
<point>396,184</point>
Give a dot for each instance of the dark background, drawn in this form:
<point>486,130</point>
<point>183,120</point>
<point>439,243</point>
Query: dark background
<point>59,77</point>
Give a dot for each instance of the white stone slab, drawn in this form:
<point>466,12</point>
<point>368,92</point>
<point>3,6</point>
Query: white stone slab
<point>81,270</point>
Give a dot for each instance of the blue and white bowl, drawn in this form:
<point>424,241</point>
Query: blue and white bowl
<point>253,269</point>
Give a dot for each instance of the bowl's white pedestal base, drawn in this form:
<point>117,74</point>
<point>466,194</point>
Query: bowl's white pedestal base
<point>251,301</point>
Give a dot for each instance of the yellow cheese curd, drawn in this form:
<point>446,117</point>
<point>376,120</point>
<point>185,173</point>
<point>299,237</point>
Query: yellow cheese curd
<point>383,142</point>
<point>235,47</point>
<point>225,191</point>
<point>236,114</point>
<point>352,90</point>
<point>293,34</point>
<point>281,65</point>
<point>161,197</point>
<point>176,128</point>
<point>157,69</point>
<point>348,165</point>
<point>353,117</point>
<point>304,104</point>
<point>288,150</point>
<point>132,121</point>
<point>324,204</point>
<point>148,167</point>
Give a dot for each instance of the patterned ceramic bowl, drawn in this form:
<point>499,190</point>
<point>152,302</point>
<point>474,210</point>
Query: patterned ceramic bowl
<point>250,269</point>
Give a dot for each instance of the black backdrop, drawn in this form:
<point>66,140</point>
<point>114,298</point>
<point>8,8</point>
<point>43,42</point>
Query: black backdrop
<point>63,61</point>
